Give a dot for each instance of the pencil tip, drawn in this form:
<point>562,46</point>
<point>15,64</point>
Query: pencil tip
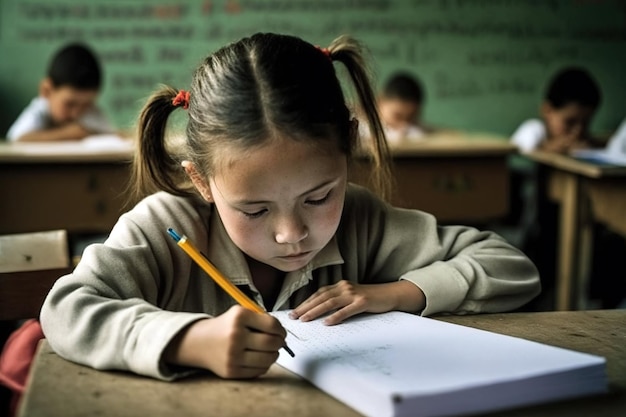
<point>289,351</point>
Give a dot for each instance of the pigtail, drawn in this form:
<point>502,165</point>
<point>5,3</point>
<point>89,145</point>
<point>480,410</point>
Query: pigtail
<point>349,52</point>
<point>154,168</point>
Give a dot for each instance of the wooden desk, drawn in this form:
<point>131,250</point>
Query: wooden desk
<point>82,189</point>
<point>60,388</point>
<point>458,179</point>
<point>69,185</point>
<point>585,191</point>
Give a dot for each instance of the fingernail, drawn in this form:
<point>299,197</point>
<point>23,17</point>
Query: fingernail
<point>293,315</point>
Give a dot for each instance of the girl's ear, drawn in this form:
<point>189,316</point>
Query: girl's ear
<point>197,180</point>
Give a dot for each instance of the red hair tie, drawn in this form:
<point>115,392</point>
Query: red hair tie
<point>181,99</point>
<point>325,51</point>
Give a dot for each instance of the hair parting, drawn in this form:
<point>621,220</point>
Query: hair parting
<point>261,87</point>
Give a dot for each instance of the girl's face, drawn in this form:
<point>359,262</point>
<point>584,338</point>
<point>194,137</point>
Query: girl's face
<point>281,203</point>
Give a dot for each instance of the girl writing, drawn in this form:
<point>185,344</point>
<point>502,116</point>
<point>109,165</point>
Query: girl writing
<point>267,147</point>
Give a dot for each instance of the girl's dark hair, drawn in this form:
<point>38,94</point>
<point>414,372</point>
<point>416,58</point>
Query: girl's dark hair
<point>573,85</point>
<point>253,90</point>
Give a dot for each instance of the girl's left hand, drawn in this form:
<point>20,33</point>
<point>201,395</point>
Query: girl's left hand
<point>349,299</point>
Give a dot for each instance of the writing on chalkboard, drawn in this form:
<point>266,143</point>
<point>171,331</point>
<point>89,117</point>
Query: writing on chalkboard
<point>488,56</point>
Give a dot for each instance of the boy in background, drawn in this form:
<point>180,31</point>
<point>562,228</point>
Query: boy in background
<point>571,100</point>
<point>400,108</point>
<point>65,108</point>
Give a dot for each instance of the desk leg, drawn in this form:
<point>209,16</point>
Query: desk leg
<point>585,249</point>
<point>567,271</point>
<point>608,199</point>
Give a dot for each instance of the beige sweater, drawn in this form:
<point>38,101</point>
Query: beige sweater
<point>130,296</point>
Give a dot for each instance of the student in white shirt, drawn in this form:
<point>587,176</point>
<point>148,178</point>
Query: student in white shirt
<point>65,108</point>
<point>570,102</point>
<point>400,106</point>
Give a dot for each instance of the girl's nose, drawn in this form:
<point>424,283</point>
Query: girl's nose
<point>291,230</point>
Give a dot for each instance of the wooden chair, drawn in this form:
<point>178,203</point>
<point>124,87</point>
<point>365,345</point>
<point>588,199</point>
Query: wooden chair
<point>23,293</point>
<point>29,266</point>
<point>30,263</point>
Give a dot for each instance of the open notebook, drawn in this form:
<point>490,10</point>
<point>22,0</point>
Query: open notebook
<point>613,154</point>
<point>399,364</point>
<point>600,156</point>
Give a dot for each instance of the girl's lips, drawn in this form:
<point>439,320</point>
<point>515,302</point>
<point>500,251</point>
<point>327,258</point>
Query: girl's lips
<point>295,257</point>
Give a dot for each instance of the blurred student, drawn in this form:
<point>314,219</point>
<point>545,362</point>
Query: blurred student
<point>400,106</point>
<point>570,102</point>
<point>66,106</point>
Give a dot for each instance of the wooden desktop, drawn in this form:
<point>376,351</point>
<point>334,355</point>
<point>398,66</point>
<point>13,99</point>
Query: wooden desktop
<point>60,388</point>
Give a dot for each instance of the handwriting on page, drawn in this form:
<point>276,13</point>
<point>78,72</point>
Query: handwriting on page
<point>314,330</point>
<point>340,343</point>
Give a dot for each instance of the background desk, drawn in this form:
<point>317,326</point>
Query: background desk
<point>585,192</point>
<point>60,388</point>
<point>70,186</point>
<point>464,180</point>
<point>82,189</point>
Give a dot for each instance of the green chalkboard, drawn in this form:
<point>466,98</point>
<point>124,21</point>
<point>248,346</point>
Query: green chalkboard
<point>484,63</point>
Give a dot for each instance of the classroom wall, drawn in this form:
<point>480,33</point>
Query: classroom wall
<point>484,63</point>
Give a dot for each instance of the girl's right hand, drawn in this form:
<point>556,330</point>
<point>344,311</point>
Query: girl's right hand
<point>237,344</point>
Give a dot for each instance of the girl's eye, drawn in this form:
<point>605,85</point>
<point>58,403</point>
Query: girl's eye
<point>254,215</point>
<point>320,201</point>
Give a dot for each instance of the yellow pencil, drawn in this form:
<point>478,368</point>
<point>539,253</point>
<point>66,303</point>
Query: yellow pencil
<point>218,277</point>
